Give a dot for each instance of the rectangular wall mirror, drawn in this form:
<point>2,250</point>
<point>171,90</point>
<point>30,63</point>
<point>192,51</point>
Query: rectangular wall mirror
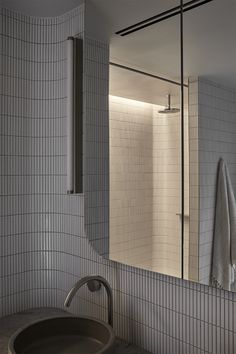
<point>170,161</point>
<point>145,171</point>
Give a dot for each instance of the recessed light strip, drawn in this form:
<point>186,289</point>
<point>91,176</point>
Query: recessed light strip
<point>162,16</point>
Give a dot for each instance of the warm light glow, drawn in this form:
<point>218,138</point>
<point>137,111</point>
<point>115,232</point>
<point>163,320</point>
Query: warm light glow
<point>131,102</point>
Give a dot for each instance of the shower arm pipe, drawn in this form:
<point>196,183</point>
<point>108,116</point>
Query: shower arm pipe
<point>169,101</point>
<point>70,115</point>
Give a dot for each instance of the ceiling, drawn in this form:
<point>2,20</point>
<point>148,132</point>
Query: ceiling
<point>209,45</point>
<point>44,8</point>
<point>118,12</point>
<point>209,35</point>
<point>125,83</point>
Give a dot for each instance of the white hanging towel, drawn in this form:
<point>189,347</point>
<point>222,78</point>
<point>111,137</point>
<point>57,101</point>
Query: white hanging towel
<point>224,243</point>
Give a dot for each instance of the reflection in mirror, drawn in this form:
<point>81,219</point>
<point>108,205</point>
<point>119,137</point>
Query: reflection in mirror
<point>146,222</point>
<point>145,151</point>
<point>145,171</point>
<point>209,56</point>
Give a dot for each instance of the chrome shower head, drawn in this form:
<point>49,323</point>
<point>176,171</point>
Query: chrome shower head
<point>169,109</point>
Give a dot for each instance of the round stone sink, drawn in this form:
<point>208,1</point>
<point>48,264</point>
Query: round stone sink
<point>63,335</point>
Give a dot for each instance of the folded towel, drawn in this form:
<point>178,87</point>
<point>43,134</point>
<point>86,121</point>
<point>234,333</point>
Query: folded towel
<point>224,243</point>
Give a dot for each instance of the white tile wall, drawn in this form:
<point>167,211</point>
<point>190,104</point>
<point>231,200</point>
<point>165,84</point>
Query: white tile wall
<point>145,188</point>
<point>33,205</point>
<point>166,193</point>
<point>96,147</point>
<point>131,181</point>
<point>193,269</point>
<point>217,137</point>
<point>160,313</point>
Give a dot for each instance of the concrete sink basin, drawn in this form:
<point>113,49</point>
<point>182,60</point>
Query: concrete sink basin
<point>63,335</point>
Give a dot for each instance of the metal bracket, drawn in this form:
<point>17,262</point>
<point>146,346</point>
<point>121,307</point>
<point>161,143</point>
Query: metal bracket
<point>94,285</point>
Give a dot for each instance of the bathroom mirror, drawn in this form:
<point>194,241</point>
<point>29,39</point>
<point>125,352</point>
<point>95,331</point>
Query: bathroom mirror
<point>209,59</point>
<point>141,223</point>
<point>154,194</point>
<point>145,223</point>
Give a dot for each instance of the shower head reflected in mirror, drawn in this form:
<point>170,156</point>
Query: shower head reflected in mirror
<point>169,109</point>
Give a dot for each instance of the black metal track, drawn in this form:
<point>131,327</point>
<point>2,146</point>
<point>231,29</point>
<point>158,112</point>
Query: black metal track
<point>146,74</point>
<point>182,133</point>
<point>162,16</point>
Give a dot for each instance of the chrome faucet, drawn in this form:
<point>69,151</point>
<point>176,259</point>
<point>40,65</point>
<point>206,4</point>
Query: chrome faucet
<point>94,284</point>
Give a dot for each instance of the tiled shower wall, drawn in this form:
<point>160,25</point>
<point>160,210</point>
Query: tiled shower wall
<point>193,244</point>
<point>131,181</point>
<point>212,110</point>
<point>166,193</point>
<point>145,187</point>
<point>160,313</point>
<point>217,139</point>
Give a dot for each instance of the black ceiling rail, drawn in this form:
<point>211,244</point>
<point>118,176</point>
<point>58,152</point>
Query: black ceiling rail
<point>162,16</point>
<point>176,8</point>
<point>146,74</point>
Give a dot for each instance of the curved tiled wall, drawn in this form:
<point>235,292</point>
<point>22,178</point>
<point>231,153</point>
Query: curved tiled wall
<point>34,212</point>
<point>44,249</point>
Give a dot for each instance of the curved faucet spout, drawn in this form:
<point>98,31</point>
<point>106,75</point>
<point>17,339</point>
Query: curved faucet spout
<point>87,280</point>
